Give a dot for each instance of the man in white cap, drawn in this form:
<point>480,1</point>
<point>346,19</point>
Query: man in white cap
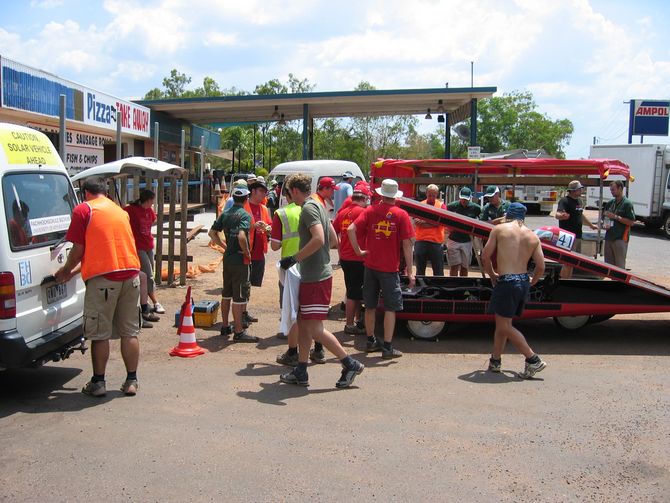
<point>494,210</point>
<point>459,244</point>
<point>570,216</point>
<point>344,190</point>
<point>384,229</point>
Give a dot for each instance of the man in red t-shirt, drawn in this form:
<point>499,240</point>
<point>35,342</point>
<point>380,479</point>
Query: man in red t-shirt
<point>384,229</point>
<point>261,227</point>
<point>352,264</point>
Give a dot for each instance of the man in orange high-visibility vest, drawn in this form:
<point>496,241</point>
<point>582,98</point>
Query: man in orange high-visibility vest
<point>104,245</point>
<point>429,238</point>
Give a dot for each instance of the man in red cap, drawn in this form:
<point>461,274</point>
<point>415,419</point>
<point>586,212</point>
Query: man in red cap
<point>324,194</point>
<point>352,264</point>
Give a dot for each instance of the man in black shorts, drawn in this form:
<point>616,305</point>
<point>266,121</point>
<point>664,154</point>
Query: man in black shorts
<point>235,223</point>
<point>570,216</point>
<point>512,244</point>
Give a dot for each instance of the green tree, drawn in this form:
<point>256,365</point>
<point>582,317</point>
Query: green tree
<point>512,121</point>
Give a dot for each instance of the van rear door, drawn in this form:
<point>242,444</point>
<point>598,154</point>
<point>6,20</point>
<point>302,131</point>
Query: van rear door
<point>38,205</point>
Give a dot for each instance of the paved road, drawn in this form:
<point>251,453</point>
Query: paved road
<point>431,426</point>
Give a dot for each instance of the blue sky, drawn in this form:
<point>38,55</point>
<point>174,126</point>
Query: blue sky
<point>582,59</point>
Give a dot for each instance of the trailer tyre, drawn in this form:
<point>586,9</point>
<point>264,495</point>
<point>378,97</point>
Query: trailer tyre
<point>426,330</point>
<point>572,322</point>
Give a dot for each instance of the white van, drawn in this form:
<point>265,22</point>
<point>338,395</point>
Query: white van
<point>317,169</point>
<point>40,320</point>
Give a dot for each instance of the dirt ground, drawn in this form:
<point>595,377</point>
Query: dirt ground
<point>431,426</point>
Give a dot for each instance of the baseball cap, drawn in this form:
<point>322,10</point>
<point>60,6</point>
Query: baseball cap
<point>254,184</point>
<point>240,192</point>
<point>328,183</point>
<point>575,185</point>
<point>347,174</point>
<point>363,188</point>
<point>240,183</point>
<point>491,191</point>
<point>465,193</point>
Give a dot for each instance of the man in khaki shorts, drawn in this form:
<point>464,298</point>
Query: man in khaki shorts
<point>110,270</point>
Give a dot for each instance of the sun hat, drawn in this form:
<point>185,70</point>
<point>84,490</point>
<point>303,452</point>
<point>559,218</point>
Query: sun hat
<point>465,193</point>
<point>389,188</point>
<point>516,211</point>
<point>240,183</point>
<point>575,185</point>
<point>491,191</point>
<point>328,183</point>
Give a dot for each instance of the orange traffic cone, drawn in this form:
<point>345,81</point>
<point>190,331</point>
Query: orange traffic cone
<point>187,347</point>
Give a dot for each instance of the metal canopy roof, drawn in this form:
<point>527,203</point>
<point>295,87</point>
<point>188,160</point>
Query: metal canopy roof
<point>220,110</point>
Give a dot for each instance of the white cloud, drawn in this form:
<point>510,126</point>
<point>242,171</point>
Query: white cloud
<point>217,39</point>
<point>46,4</point>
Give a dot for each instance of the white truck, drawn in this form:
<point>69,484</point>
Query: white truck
<point>650,190</point>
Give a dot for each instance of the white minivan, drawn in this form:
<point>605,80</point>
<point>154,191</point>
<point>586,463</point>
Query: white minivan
<point>40,320</point>
<point>317,169</point>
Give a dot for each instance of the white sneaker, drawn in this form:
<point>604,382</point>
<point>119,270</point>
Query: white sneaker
<point>531,369</point>
<point>158,308</point>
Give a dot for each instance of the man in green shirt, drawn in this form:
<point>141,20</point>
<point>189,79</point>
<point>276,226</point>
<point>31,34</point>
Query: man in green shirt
<point>459,244</point>
<point>494,210</point>
<point>235,224</point>
<point>619,218</point>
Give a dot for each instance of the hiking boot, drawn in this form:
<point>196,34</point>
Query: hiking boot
<point>531,369</point>
<point>147,324</point>
<point>296,378</point>
<point>373,346</point>
<point>245,337</point>
<point>94,388</point>
<point>226,330</point>
<point>360,324</point>
<point>248,318</point>
<point>130,387</point>
<point>317,356</point>
<point>354,330</point>
<point>149,316</point>
<point>390,353</point>
<point>290,360</point>
<point>495,365</point>
<point>349,374</point>
<point>158,308</point>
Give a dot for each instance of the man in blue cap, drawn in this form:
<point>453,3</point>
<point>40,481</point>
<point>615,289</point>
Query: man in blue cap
<point>512,244</point>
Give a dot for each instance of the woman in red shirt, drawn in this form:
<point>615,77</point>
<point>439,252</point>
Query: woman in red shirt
<point>142,217</point>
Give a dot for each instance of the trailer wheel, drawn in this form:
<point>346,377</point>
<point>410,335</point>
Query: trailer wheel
<point>572,322</point>
<point>428,330</point>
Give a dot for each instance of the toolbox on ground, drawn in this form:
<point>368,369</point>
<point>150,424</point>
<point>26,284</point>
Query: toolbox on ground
<point>205,313</point>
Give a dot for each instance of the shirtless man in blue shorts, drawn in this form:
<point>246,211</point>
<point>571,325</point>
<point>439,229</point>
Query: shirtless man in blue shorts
<point>512,244</point>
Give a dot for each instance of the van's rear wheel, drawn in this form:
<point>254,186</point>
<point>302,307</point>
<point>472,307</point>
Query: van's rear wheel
<point>666,225</point>
<point>427,330</point>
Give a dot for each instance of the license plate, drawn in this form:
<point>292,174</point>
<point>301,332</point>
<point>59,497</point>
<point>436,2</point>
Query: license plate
<point>56,293</point>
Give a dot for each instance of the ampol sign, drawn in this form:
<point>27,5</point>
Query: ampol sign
<point>649,118</point>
